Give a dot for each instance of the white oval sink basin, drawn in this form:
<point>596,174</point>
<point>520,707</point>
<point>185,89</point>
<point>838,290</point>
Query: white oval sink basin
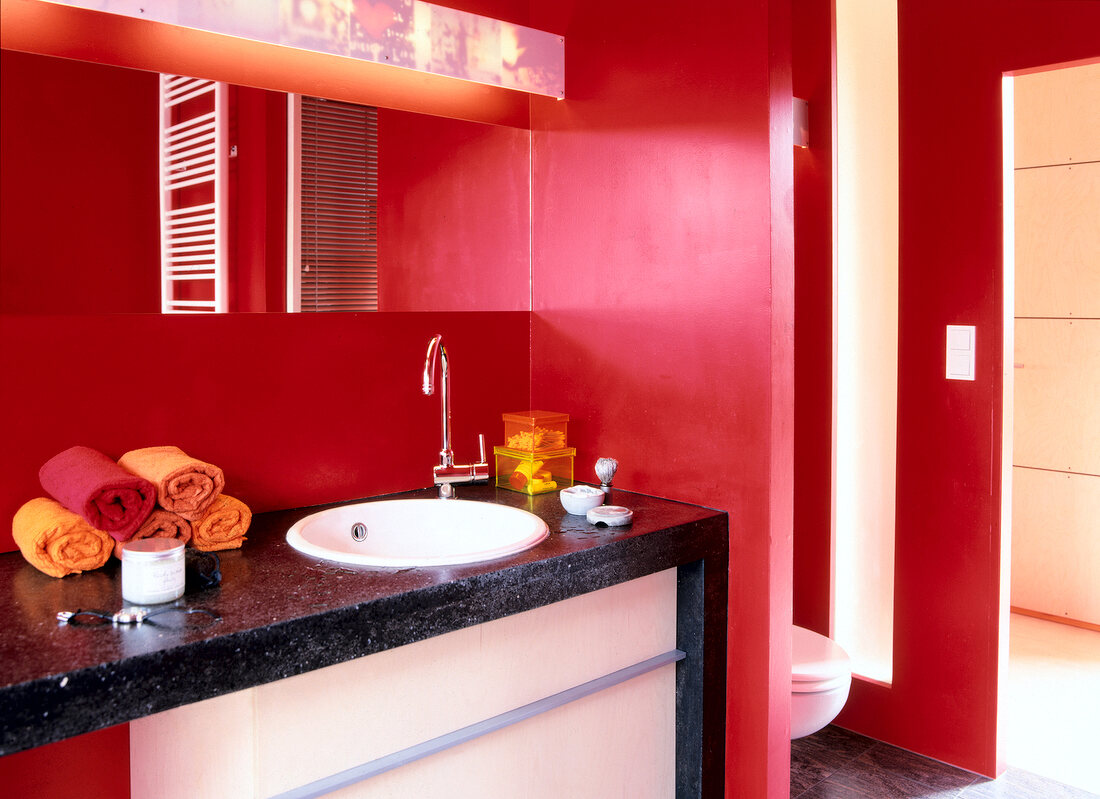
<point>417,532</point>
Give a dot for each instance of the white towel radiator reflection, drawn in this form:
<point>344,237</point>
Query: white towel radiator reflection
<point>193,194</point>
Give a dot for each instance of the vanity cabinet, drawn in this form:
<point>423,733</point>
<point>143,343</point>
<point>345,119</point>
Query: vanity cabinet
<point>287,734</point>
<point>316,667</point>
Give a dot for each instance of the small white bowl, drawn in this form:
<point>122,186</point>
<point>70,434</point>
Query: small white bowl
<point>580,499</point>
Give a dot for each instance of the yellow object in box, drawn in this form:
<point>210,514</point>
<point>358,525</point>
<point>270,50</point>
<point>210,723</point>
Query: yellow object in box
<point>531,473</point>
<point>535,431</point>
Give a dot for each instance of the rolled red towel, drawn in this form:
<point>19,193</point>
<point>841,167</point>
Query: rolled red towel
<point>93,486</point>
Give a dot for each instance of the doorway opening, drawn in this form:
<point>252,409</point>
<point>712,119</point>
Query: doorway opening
<point>1050,661</point>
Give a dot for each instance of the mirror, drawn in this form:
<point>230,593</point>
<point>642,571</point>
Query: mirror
<point>79,204</point>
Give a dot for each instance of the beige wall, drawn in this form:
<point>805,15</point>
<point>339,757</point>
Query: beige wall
<point>1056,442</point>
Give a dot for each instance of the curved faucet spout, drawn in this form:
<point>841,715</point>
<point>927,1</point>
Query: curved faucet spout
<point>446,474</point>
<point>435,346</point>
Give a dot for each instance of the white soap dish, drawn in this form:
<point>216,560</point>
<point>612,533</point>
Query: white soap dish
<point>580,499</point>
<point>610,515</point>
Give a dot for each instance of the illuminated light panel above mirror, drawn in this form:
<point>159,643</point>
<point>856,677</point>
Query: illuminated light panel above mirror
<point>408,34</point>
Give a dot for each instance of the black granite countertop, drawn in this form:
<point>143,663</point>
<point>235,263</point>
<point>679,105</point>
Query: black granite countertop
<point>284,613</point>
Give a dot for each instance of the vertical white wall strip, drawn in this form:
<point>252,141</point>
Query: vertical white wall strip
<point>867,333</point>
<point>1008,347</point>
<point>194,195</point>
<point>162,194</point>
<point>221,197</point>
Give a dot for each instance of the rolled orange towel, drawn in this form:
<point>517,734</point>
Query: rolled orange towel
<point>185,485</point>
<point>222,526</point>
<point>57,541</point>
<point>160,524</point>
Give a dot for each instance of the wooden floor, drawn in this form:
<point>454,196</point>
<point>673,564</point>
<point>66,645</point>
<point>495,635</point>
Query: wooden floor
<point>837,764</point>
<point>1050,709</point>
<point>1050,705</point>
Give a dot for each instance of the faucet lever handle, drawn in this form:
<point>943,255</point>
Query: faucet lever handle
<point>481,447</point>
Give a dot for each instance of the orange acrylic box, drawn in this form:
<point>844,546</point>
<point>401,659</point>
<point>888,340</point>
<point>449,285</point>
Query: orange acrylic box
<point>536,431</point>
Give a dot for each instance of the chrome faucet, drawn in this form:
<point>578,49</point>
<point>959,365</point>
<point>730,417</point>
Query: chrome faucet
<point>446,474</point>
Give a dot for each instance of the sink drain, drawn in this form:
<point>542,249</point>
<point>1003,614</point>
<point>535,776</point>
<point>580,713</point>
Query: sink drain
<point>359,532</point>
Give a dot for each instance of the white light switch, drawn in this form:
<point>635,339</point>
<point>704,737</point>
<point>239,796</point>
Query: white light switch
<point>960,352</point>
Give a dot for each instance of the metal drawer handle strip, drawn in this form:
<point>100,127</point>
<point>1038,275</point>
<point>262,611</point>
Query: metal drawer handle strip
<point>410,754</point>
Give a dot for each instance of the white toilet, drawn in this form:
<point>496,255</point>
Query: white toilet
<point>821,675</point>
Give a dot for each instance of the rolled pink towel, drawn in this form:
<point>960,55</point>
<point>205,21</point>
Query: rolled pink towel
<point>104,494</point>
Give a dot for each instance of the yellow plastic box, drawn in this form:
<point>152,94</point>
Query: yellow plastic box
<point>531,473</point>
<point>536,431</point>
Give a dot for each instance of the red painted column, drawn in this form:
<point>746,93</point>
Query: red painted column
<point>813,55</point>
<point>663,298</point>
<point>943,699</point>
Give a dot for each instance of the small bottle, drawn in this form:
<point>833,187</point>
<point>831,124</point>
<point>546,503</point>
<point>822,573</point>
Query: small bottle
<point>152,570</point>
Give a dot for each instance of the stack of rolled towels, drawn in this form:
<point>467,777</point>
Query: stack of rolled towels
<point>96,505</point>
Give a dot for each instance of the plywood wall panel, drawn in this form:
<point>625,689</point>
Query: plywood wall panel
<point>282,735</point>
<point>429,688</point>
<point>177,754</point>
<point>1057,415</point>
<point>1056,544</point>
<point>1056,431</point>
<point>1058,241</point>
<point>1058,116</point>
<point>606,740</point>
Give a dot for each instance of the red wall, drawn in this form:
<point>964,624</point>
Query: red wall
<point>257,200</point>
<point>453,214</point>
<point>73,207</point>
<point>943,700</point>
<point>663,298</point>
<point>813,57</point>
<point>92,766</point>
<point>297,409</point>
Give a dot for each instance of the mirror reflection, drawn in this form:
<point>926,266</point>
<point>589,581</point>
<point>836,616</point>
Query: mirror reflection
<point>80,199</point>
